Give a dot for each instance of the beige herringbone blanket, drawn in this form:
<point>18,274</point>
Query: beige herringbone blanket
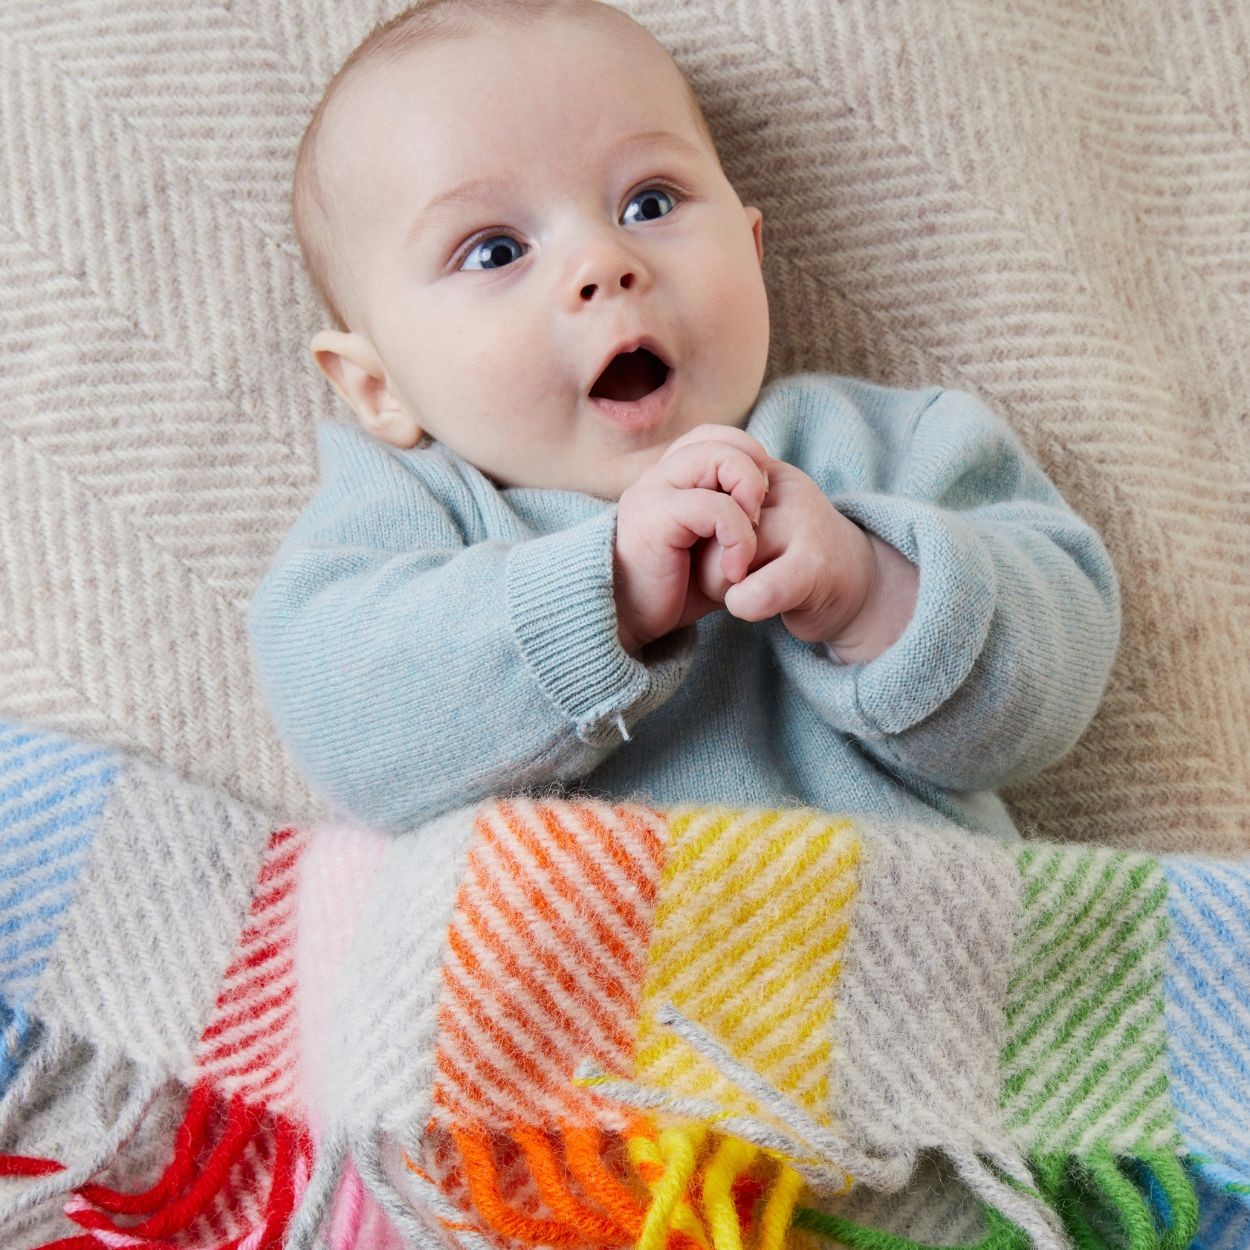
<point>1047,203</point>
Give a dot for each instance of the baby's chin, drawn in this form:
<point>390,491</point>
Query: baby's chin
<point>610,482</point>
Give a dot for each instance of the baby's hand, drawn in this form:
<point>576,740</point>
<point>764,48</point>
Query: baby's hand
<point>811,564</point>
<point>711,482</point>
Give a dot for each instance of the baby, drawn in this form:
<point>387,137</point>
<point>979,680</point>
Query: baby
<point>569,544</point>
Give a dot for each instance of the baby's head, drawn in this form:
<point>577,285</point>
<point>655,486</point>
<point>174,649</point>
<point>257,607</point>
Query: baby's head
<point>483,317</point>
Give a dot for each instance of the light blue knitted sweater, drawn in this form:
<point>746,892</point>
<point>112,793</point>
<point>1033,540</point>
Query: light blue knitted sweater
<point>424,638</point>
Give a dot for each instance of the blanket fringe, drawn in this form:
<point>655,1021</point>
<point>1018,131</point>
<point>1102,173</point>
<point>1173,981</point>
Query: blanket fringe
<point>1097,1177</point>
<point>51,1056</point>
<point>198,1176</point>
<point>430,1223</point>
<point>684,1188</point>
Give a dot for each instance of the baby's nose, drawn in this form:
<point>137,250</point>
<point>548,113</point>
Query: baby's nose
<point>626,280</point>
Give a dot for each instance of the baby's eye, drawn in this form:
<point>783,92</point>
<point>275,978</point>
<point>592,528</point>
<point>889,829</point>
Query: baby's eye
<point>648,198</point>
<point>496,252</point>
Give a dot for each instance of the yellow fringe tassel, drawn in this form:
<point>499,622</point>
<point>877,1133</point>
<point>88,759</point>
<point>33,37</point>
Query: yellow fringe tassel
<point>779,1209</point>
<point>671,1162</point>
<point>733,1156</point>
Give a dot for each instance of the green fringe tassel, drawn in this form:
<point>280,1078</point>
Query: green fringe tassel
<point>1003,1235</point>
<point>1073,1184</point>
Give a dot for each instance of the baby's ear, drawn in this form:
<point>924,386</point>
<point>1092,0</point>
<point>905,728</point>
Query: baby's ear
<point>756,219</point>
<point>356,372</point>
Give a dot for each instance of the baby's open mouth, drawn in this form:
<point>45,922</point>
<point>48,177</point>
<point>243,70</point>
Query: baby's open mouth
<point>630,376</point>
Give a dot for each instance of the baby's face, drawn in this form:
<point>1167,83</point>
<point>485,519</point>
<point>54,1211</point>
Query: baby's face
<point>485,320</point>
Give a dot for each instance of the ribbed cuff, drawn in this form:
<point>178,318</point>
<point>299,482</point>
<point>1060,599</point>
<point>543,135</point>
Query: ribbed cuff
<point>563,609</point>
<point>933,657</point>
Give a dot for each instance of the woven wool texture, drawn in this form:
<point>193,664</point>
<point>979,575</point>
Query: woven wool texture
<point>572,1022</point>
<point>1046,204</point>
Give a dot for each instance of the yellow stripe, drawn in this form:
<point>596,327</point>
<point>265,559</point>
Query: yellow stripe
<point>722,839</point>
<point>750,923</point>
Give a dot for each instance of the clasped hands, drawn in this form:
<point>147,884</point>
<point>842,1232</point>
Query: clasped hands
<point>718,522</point>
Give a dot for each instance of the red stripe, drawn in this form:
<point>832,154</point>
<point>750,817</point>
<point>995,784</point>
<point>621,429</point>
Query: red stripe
<point>252,1011</point>
<point>258,982</point>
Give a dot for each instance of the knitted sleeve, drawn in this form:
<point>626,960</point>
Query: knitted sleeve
<point>1017,617</point>
<point>410,671</point>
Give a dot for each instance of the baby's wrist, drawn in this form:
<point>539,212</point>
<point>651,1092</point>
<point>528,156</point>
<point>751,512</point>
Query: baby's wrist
<point>627,639</point>
<point>886,609</point>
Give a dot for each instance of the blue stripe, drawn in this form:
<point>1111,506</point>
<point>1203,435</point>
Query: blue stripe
<point>23,760</point>
<point>35,942</point>
<point>45,911</point>
<point>19,735</point>
<point>35,887</point>
<point>18,1031</point>
<point>98,783</point>
<point>1195,1102</point>
<point>1224,1222</point>
<point>44,855</point>
<point>1210,1005</point>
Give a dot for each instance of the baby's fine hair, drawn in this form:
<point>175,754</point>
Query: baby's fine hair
<point>314,210</point>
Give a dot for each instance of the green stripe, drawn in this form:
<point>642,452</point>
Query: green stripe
<point>1077,942</point>
<point>1128,927</point>
<point>1037,884</point>
<point>1072,1013</point>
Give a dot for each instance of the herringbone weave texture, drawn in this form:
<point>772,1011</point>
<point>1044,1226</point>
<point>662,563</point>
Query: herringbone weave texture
<point>1045,203</point>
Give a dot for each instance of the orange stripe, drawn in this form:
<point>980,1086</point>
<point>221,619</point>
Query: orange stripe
<point>635,914</point>
<point>451,1072</point>
<point>608,982</point>
<point>551,961</point>
<point>571,841</point>
<point>626,956</point>
<point>647,885</point>
<point>554,1021</point>
<point>445,1096</point>
<point>514,1093</point>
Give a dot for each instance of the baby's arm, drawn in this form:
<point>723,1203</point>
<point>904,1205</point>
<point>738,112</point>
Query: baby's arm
<point>411,669</point>
<point>1017,616</point>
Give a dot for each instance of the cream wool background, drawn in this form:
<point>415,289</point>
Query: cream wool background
<point>1046,206</point>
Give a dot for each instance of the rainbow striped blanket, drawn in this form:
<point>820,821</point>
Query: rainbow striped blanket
<point>577,1023</point>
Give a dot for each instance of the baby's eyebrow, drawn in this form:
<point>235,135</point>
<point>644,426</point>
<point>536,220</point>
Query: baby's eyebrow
<point>478,190</point>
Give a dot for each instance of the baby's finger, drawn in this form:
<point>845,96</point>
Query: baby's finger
<point>711,513</point>
<point>713,465</point>
<point>710,431</point>
<point>764,593</point>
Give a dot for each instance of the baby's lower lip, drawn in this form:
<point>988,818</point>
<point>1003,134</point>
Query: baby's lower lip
<point>638,415</point>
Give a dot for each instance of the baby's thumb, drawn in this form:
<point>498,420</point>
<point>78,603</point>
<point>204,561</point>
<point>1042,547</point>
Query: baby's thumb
<point>756,597</point>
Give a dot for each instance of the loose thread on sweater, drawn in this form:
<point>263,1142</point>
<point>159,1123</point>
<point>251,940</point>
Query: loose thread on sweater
<point>415,1227</point>
<point>69,1177</point>
<point>676,1147</point>
<point>556,1194</point>
<point>189,1139</point>
<point>488,1201</point>
<point>733,1156</point>
<point>584,1148</point>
